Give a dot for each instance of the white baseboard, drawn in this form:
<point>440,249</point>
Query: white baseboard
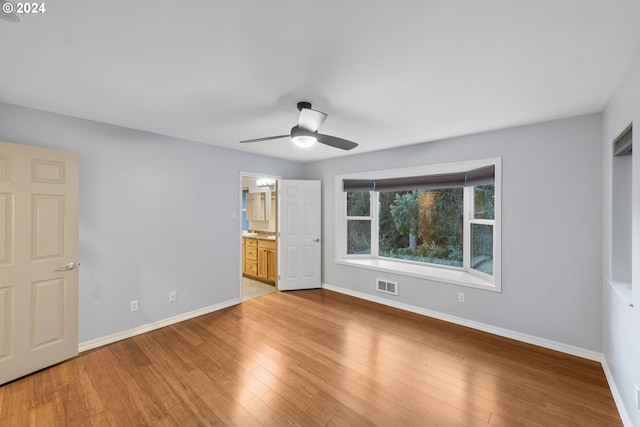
<point>530,339</point>
<point>99,342</point>
<point>617,397</point>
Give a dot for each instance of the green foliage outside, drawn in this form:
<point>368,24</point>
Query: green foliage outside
<point>483,200</point>
<point>422,225</point>
<point>359,231</point>
<point>482,235</point>
<point>359,203</point>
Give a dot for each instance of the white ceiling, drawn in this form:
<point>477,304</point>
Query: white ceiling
<point>388,73</point>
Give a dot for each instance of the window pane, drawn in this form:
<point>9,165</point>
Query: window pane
<point>358,203</point>
<point>245,221</point>
<point>359,237</point>
<point>422,225</point>
<point>482,248</point>
<point>483,201</point>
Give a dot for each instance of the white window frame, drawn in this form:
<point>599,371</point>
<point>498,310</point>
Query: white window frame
<point>469,219</point>
<point>372,218</point>
<point>462,276</point>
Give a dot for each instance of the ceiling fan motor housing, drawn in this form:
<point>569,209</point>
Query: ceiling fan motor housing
<point>297,131</point>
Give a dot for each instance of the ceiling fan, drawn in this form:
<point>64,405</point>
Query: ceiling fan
<point>305,133</point>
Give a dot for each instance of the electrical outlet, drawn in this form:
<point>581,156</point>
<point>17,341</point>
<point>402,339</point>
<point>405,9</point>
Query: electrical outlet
<point>173,295</point>
<point>134,305</point>
<point>460,296</point>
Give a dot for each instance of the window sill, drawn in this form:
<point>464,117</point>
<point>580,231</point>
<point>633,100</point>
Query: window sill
<point>444,275</point>
<point>623,289</point>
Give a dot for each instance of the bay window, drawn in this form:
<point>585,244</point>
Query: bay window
<point>440,222</point>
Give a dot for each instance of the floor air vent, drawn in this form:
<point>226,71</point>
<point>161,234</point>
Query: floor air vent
<point>387,287</point>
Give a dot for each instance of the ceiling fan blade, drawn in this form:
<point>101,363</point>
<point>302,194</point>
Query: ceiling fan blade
<point>311,119</point>
<point>268,138</point>
<point>336,142</point>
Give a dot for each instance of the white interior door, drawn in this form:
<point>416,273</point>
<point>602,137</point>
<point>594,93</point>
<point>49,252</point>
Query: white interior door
<point>299,229</point>
<point>38,258</point>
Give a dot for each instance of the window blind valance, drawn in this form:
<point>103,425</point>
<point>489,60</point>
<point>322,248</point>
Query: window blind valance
<point>479,176</point>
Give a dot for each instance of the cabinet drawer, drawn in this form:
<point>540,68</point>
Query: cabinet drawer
<point>251,253</point>
<point>252,268</point>
<point>267,244</point>
<point>250,242</point>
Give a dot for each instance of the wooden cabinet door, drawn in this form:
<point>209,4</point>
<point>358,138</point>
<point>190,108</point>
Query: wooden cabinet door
<point>271,266</point>
<point>256,205</point>
<point>262,262</point>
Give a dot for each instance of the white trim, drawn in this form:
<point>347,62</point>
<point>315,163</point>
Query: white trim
<point>109,339</point>
<point>469,206</point>
<point>440,273</point>
<point>617,397</point>
<point>623,289</point>
<point>518,336</point>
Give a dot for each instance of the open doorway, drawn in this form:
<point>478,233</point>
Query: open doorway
<point>258,234</point>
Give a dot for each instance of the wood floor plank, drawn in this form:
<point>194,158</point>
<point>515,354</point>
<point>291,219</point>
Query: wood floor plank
<point>313,358</point>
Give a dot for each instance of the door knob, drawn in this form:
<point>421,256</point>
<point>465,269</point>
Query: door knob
<point>70,266</point>
<point>316,240</point>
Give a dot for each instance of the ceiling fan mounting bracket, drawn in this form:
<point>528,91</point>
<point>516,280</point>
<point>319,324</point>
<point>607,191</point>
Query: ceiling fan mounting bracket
<point>303,104</point>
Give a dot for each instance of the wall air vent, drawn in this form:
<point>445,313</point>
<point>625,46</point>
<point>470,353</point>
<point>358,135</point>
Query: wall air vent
<point>387,287</point>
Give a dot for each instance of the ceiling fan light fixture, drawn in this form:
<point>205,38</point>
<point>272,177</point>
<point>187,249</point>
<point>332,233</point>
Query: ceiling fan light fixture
<point>303,138</point>
<point>304,141</point>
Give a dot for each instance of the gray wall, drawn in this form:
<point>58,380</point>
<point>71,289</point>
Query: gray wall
<point>551,230</point>
<point>622,322</point>
<point>155,216</point>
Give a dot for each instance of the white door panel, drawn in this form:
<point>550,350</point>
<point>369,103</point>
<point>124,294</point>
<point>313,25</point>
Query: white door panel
<point>299,230</point>
<point>38,240</point>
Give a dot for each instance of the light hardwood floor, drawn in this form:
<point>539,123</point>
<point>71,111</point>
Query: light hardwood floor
<point>313,358</point>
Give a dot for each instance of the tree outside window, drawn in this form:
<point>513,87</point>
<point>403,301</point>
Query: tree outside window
<point>359,223</point>
<point>422,225</point>
<point>425,226</point>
